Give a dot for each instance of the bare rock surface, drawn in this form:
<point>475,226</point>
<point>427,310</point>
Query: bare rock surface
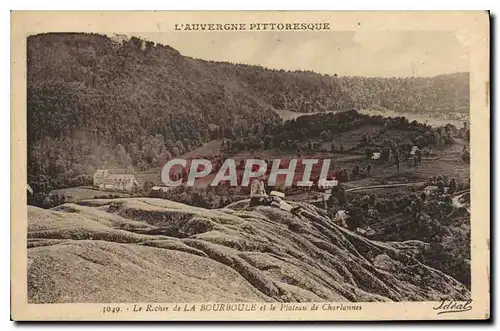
<point>155,250</point>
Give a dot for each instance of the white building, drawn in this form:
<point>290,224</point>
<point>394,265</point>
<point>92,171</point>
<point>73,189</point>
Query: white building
<point>116,182</point>
<point>428,190</point>
<point>414,149</point>
<point>160,188</point>
<point>433,189</point>
<point>328,184</point>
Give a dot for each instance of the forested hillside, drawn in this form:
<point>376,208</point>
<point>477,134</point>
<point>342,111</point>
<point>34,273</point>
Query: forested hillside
<point>95,101</point>
<point>306,91</point>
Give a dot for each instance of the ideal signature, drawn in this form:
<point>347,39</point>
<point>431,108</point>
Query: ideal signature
<point>450,306</point>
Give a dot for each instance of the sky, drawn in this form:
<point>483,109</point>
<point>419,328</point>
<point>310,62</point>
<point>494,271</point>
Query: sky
<point>345,53</point>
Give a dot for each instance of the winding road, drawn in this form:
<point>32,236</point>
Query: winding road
<point>327,196</point>
<point>383,186</point>
<point>456,200</point>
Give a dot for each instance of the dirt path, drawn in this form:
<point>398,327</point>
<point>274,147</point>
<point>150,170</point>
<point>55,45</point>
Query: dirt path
<point>383,186</point>
<point>457,203</point>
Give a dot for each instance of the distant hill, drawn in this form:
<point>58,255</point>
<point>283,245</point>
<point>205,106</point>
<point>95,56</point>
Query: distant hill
<point>95,101</point>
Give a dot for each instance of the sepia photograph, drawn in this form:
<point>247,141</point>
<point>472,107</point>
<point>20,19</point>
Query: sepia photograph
<point>215,165</point>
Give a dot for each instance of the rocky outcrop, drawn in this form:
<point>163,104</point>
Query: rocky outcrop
<point>154,250</point>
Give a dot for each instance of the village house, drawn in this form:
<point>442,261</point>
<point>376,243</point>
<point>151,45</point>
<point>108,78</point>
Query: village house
<point>433,189</point>
<point>366,232</point>
<point>103,179</point>
<point>327,184</point>
<point>160,188</point>
<point>159,191</point>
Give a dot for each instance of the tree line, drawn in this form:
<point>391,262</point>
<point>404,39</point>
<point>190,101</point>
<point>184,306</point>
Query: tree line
<point>309,133</point>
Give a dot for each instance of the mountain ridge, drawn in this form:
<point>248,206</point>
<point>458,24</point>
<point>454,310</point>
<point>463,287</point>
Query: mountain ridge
<point>93,101</point>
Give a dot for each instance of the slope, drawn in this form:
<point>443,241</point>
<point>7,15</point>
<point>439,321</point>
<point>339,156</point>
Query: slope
<point>94,102</point>
<point>154,250</point>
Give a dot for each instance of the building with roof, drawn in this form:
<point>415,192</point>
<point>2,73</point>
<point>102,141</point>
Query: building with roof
<point>103,179</point>
<point>428,190</point>
<point>160,188</point>
<point>328,184</point>
<point>433,189</point>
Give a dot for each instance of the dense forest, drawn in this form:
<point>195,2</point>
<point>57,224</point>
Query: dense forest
<point>297,134</point>
<point>307,91</point>
<point>96,101</point>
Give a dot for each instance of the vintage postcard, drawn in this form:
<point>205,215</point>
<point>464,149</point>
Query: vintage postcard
<point>250,165</point>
